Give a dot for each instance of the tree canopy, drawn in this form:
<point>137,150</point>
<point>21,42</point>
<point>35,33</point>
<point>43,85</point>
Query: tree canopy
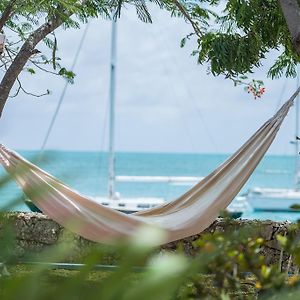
<point>27,23</point>
<point>233,36</point>
<point>236,35</point>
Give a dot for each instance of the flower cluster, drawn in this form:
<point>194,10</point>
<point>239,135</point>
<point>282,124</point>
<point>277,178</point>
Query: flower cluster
<point>257,91</point>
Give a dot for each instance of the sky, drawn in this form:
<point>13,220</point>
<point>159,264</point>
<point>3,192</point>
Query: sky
<point>165,101</point>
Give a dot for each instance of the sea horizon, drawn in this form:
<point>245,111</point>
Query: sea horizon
<point>87,172</point>
<point>143,152</point>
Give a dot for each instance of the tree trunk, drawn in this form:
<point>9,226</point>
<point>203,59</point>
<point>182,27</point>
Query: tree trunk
<point>27,50</point>
<point>6,14</point>
<point>291,12</point>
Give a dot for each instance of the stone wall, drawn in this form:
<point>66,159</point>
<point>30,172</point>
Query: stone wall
<point>35,232</point>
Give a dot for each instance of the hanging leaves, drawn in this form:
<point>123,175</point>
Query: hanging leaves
<point>236,39</point>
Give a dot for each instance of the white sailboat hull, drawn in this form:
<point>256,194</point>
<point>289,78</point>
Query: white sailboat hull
<point>130,205</point>
<point>266,199</point>
<point>180,180</point>
<point>136,204</point>
<point>239,204</point>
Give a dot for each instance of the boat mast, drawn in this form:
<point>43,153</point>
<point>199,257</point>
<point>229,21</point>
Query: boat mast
<point>112,83</point>
<point>297,162</point>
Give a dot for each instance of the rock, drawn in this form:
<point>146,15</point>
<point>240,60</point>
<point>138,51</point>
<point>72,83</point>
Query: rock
<point>35,232</point>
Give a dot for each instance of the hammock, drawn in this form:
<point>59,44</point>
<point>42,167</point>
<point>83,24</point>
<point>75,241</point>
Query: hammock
<point>188,215</point>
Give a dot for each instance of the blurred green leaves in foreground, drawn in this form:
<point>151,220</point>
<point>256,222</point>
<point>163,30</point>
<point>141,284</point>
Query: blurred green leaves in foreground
<point>227,265</point>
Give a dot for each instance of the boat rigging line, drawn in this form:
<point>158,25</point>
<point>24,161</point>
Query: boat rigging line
<point>62,96</point>
<point>189,93</point>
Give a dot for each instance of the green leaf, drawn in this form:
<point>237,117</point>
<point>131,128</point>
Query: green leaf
<point>31,71</point>
<point>282,240</point>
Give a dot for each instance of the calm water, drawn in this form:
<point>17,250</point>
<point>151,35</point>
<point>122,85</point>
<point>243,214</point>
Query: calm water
<point>87,173</point>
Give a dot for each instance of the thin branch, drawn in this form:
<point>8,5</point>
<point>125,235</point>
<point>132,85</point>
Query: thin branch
<point>11,59</point>
<point>43,69</point>
<point>21,88</point>
<point>188,17</point>
<point>18,90</point>
<point>5,63</point>
<point>9,52</point>
<point>35,95</point>
<point>35,63</point>
<point>10,44</point>
<point>27,50</point>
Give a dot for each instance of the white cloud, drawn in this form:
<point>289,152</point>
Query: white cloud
<point>165,101</point>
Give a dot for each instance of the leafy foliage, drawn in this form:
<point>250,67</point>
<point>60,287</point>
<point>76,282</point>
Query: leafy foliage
<point>226,265</point>
<point>223,265</point>
<point>233,36</point>
<point>236,37</point>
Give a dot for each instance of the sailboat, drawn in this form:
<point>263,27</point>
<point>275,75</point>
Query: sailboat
<point>114,200</point>
<point>270,199</point>
<point>131,205</point>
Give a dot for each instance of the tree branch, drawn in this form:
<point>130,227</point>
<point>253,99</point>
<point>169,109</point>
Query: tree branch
<point>26,51</point>
<point>6,14</point>
<point>188,17</point>
<point>291,13</point>
<point>20,88</point>
<point>43,69</point>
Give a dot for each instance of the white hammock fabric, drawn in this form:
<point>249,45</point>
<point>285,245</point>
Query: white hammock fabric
<point>188,215</point>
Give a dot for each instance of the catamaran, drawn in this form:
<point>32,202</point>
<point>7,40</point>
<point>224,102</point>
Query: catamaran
<point>271,199</point>
<point>130,205</point>
<point>114,200</point>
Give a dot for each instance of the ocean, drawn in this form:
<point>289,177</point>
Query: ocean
<point>86,172</point>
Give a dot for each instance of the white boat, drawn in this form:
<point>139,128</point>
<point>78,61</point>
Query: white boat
<point>273,199</point>
<point>130,205</point>
<point>267,199</point>
<point>237,207</point>
<point>114,200</point>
